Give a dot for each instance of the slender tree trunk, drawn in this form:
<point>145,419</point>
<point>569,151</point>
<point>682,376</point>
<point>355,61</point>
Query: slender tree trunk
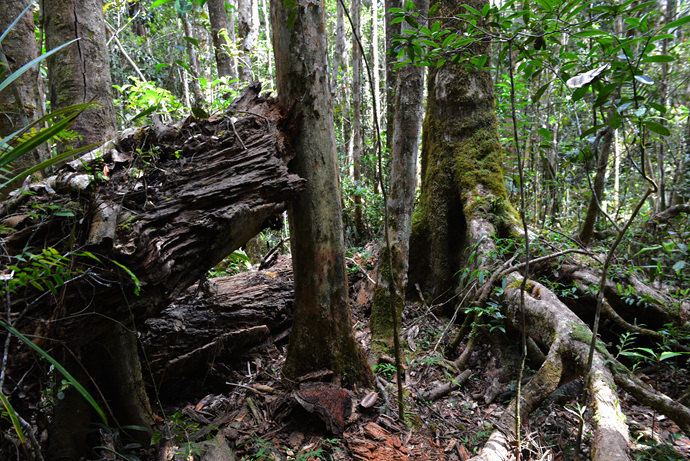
<point>199,100</point>
<point>221,38</point>
<point>357,135</point>
<point>375,59</point>
<point>603,153</point>
<point>391,31</point>
<point>409,96</point>
<point>22,103</point>
<point>340,46</point>
<point>321,336</point>
<point>269,47</point>
<point>248,29</point>
<point>80,73</point>
<point>663,90</point>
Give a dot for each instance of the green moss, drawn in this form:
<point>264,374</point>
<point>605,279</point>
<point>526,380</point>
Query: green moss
<point>584,334</point>
<point>291,7</point>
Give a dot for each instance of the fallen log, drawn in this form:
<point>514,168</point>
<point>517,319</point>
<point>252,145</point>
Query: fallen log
<point>112,238</point>
<point>217,321</point>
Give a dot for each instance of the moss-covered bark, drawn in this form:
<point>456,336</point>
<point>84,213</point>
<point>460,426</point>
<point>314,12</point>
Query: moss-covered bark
<point>462,174</point>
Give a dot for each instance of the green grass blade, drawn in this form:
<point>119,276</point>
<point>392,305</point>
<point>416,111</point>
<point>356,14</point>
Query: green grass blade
<point>19,72</point>
<point>14,23</point>
<point>66,374</point>
<point>34,141</point>
<point>13,417</point>
<point>48,163</point>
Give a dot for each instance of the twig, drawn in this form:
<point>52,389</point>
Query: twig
<point>361,269</point>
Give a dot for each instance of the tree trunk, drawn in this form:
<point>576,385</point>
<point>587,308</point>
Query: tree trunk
<point>409,96</point>
<point>22,102</point>
<point>199,99</point>
<point>220,32</point>
<point>322,335</point>
<point>81,72</point>
<point>603,150</point>
<point>391,31</point>
<point>340,46</point>
<point>461,169</point>
<point>357,135</point>
<point>375,64</point>
<point>248,29</point>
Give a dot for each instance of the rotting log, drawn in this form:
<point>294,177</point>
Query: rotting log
<point>137,221</point>
<point>217,321</point>
<point>176,201</point>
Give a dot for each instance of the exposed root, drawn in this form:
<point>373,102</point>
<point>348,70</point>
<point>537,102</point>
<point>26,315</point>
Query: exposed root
<point>543,383</point>
<point>645,394</point>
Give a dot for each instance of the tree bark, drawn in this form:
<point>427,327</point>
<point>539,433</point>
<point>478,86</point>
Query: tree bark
<point>409,96</point>
<point>22,103</point>
<point>357,135</point>
<point>220,31</point>
<point>322,335</point>
<point>216,321</point>
<point>391,31</point>
<point>199,99</point>
<point>461,168</point>
<point>339,58</point>
<point>603,152</point>
<point>81,72</point>
<point>248,29</point>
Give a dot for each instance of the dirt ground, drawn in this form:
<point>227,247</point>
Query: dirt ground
<point>257,417</point>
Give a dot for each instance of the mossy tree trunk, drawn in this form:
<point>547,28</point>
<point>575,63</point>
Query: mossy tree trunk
<point>408,112</point>
<point>81,72</point>
<point>322,336</point>
<point>462,174</point>
<point>21,103</point>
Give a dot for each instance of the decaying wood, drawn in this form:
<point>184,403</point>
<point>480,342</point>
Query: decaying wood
<point>138,221</point>
<point>175,202</point>
<point>217,321</point>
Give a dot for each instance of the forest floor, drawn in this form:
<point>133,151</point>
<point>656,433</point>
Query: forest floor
<point>248,417</point>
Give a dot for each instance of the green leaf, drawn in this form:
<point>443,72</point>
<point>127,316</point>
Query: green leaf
<point>657,128</point>
<point>36,140</point>
<point>678,22</point>
<point>669,355</point>
<point>16,20</point>
<point>540,92</point>
<point>644,79</point>
<point>66,374</point>
<point>19,72</point>
<point>659,58</point>
<point>678,266</point>
<point>135,279</point>
<point>14,418</point>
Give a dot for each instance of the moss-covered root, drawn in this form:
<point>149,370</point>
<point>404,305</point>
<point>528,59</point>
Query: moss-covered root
<point>645,394</point>
<point>543,383</point>
<point>550,322</point>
